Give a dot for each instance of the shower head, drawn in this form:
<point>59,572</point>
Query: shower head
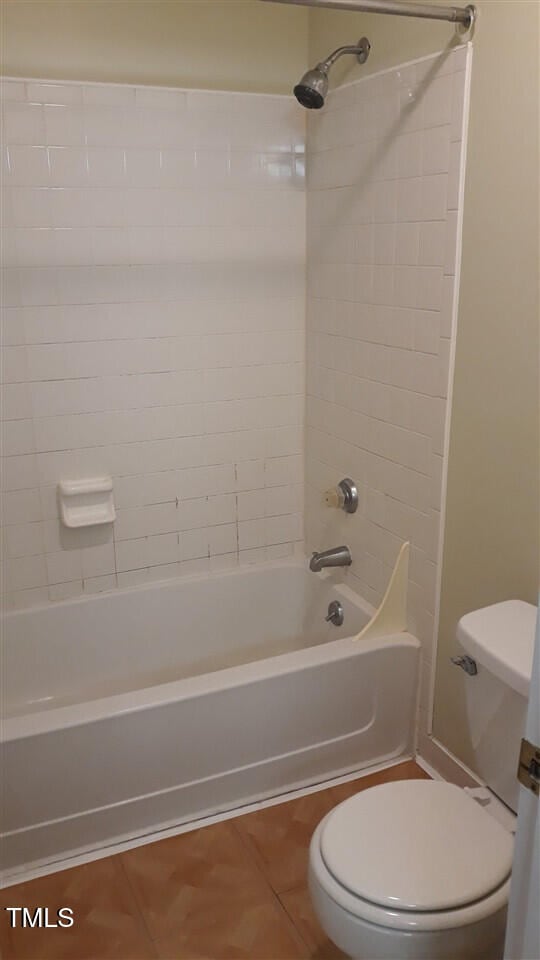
<point>312,89</point>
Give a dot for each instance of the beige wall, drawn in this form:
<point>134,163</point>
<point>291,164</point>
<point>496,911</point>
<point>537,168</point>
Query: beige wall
<point>393,39</point>
<point>218,44</point>
<point>492,532</point>
<point>492,529</point>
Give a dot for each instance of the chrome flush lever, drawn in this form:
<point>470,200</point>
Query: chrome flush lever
<point>466,663</point>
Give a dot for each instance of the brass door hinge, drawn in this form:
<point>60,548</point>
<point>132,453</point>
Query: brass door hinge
<point>529,766</point>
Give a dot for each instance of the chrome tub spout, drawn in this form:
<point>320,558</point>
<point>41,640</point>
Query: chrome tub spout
<point>336,557</point>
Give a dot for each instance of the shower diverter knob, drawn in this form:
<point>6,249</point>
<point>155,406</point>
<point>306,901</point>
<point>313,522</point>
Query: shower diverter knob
<point>345,496</point>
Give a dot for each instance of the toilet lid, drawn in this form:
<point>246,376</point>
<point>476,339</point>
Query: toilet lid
<point>416,845</point>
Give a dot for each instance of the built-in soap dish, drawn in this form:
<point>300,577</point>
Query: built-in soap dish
<point>86,503</point>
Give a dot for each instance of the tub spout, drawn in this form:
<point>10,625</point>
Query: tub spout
<point>336,557</point>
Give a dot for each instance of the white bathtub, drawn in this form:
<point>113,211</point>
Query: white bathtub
<point>138,710</point>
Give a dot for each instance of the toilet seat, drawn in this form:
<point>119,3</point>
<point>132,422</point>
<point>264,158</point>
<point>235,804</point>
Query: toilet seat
<point>416,845</point>
<point>361,856</point>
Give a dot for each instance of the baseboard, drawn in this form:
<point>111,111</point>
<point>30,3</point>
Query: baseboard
<point>441,764</point>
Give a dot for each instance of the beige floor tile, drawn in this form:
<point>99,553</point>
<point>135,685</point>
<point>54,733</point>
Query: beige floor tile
<point>279,837</point>
<point>196,882</point>
<point>298,905</point>
<point>256,931</point>
<point>108,924</point>
<point>204,895</point>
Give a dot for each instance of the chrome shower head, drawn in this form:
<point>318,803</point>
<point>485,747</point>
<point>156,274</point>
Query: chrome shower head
<point>312,89</point>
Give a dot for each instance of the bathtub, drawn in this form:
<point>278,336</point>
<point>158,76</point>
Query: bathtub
<point>145,708</point>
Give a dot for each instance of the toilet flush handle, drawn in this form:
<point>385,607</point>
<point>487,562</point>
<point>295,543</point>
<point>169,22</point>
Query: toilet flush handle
<point>466,663</point>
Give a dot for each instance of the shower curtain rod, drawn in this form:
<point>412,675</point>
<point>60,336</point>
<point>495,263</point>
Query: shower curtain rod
<point>426,11</point>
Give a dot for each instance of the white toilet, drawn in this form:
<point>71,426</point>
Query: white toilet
<point>420,869</point>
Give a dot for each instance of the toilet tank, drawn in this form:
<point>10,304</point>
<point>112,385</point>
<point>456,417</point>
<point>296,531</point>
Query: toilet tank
<point>500,638</point>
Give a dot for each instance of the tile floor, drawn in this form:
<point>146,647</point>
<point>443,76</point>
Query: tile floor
<point>231,891</point>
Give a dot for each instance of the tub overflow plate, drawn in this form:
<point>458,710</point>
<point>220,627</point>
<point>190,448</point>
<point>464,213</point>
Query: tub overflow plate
<point>335,613</point>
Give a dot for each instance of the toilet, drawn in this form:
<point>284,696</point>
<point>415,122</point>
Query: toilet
<point>420,869</point>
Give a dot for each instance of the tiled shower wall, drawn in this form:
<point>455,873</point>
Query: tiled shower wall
<point>154,299</point>
<point>154,326</point>
<point>384,197</point>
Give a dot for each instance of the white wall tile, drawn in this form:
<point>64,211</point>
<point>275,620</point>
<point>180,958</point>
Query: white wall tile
<point>409,149</point>
<point>131,554</point>
<point>251,505</point>
<point>24,123</point>
<point>250,474</point>
<point>68,166</point>
<point>251,533</point>
<point>454,175</point>
<point>111,95</point>
<point>437,101</point>
<point>164,317</point>
<point>19,473</point>
<point>23,599</point>
<point>15,402</point>
<point>64,566</point>
<point>450,243</point>
<point>163,549</point>
<point>407,243</point>
<point>378,338</point>
<point>66,590</point>
<point>458,104</point>
<point>434,203</point>
<point>28,166</point>
<point>157,328</point>
<point>432,249</point>
<point>436,150</point>
<point>409,199</point>
<point>12,89</point>
<point>64,93</point>
<point>64,125</point>
<point>24,572</point>
<point>222,539</point>
<point>21,506</point>
<point>98,560</point>
<point>17,437</point>
<point>23,539</point>
<point>100,584</point>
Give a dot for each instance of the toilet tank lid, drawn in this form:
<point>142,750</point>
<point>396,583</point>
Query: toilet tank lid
<point>501,639</point>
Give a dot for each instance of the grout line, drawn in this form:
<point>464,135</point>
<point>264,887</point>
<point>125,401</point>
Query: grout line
<point>253,854</point>
<point>292,918</point>
<point>135,899</point>
<point>259,864</point>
